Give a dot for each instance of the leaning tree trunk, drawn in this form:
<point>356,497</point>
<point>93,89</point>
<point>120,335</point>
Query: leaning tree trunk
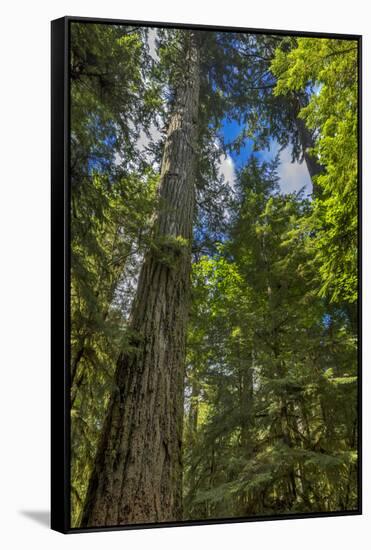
<point>307,143</point>
<point>137,476</point>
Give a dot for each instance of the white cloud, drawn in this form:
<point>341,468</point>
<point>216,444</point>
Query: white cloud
<point>227,169</point>
<point>144,140</point>
<point>151,41</point>
<point>293,176</point>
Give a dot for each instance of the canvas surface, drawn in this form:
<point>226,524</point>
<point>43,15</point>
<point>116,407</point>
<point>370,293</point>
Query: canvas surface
<point>214,274</point>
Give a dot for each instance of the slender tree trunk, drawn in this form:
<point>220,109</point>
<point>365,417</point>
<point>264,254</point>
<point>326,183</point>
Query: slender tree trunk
<point>307,143</point>
<point>193,411</point>
<point>138,469</point>
<point>246,363</point>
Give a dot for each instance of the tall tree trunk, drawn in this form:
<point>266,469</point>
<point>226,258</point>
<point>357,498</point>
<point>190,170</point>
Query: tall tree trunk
<point>137,476</point>
<point>193,411</point>
<point>245,358</point>
<point>307,143</point>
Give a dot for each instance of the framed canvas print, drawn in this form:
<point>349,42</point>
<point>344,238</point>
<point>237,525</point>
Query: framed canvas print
<point>205,274</point>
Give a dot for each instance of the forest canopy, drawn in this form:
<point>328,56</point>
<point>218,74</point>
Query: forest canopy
<point>214,274</point>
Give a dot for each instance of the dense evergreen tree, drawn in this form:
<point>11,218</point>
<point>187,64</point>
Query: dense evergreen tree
<point>270,368</point>
<point>331,66</point>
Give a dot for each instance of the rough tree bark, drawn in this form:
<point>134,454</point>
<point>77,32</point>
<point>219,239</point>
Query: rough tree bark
<point>137,476</point>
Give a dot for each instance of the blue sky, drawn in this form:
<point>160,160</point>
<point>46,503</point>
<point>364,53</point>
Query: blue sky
<point>293,176</point>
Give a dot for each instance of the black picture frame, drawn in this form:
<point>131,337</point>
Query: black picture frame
<point>60,272</point>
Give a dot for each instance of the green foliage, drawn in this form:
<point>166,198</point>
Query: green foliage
<point>270,417</point>
<point>112,96</point>
<point>167,249</point>
<point>330,67</point>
